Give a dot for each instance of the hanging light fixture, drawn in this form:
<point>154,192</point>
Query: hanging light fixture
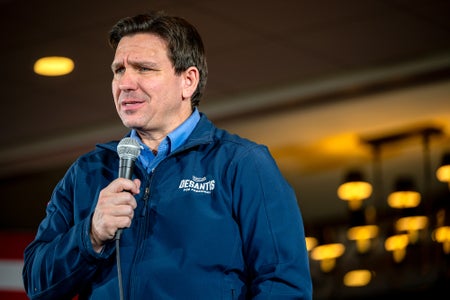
<point>363,236</point>
<point>354,190</point>
<point>311,242</point>
<point>442,235</point>
<point>407,199</point>
<point>412,225</point>
<point>359,277</point>
<point>362,228</point>
<point>442,232</point>
<point>327,255</point>
<point>443,172</point>
<point>397,245</point>
<point>404,195</point>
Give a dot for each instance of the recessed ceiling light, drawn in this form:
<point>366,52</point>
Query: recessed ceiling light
<point>53,66</point>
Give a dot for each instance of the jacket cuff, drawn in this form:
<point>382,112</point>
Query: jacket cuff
<point>86,245</point>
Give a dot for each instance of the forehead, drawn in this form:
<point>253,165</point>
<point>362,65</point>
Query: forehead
<point>141,43</point>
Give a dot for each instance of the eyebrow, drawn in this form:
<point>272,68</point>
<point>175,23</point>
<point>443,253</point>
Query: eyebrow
<point>149,64</point>
<point>114,65</point>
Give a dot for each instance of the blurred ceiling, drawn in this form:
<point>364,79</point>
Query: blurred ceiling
<point>308,78</point>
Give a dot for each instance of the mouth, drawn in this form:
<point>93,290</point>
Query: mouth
<point>131,104</point>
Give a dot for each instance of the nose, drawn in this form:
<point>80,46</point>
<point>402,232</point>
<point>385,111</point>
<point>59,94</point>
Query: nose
<point>127,80</point>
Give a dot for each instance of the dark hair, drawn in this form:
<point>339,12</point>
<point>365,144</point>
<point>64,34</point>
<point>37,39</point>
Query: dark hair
<point>184,43</point>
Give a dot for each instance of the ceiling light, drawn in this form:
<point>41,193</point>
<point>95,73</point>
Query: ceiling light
<point>443,172</point>
<point>397,245</point>
<point>362,235</point>
<point>53,66</point>
<point>442,235</point>
<point>357,278</point>
<point>442,232</point>
<point>405,195</point>
<point>412,225</point>
<point>354,190</point>
<point>311,242</point>
<point>327,255</point>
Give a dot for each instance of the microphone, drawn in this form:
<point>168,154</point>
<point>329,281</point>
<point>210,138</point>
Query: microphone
<point>128,150</point>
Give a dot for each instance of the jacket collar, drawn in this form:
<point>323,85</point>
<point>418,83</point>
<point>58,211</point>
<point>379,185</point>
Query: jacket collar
<point>203,134</point>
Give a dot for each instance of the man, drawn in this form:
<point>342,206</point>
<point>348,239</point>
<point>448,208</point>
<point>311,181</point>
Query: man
<point>207,214</point>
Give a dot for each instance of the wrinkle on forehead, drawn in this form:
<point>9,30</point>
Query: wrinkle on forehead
<point>139,49</point>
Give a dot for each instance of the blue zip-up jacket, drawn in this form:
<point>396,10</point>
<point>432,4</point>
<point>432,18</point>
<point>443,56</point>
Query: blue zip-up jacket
<point>215,220</point>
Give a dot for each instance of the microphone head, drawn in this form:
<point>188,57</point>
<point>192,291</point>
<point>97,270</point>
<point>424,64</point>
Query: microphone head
<point>128,148</point>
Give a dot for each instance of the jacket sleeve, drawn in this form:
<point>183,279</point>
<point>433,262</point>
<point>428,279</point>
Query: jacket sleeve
<point>272,229</point>
<point>61,260</point>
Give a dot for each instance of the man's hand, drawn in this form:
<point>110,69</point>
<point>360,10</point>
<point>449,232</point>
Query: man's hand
<point>114,210</point>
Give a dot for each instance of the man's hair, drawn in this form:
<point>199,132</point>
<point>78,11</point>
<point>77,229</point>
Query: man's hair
<point>184,43</point>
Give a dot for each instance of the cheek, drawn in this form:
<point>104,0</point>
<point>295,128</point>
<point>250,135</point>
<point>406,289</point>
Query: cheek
<point>115,91</point>
<point>114,86</point>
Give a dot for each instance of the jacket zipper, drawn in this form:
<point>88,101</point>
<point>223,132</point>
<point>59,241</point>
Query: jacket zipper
<point>139,246</point>
<point>145,199</point>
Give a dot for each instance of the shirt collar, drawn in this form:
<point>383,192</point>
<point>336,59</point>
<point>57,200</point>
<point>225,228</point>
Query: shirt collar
<point>178,136</point>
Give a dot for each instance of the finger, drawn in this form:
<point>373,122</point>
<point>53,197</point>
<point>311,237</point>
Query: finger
<point>124,209</point>
<point>123,222</point>
<point>137,182</point>
<point>123,184</point>
<point>124,198</point>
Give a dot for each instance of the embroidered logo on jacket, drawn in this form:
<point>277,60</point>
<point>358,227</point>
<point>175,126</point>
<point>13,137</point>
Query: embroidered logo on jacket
<point>197,184</point>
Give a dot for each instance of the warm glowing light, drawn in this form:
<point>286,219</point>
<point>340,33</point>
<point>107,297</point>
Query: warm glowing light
<point>443,174</point>
<point>354,192</point>
<point>333,250</point>
<point>53,66</point>
<point>342,145</point>
<point>397,245</point>
<point>412,225</point>
<point>357,278</point>
<point>362,235</point>
<point>442,235</point>
<point>327,255</point>
<point>404,199</point>
<point>311,242</point>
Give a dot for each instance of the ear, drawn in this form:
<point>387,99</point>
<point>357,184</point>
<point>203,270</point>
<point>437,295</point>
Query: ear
<point>191,78</point>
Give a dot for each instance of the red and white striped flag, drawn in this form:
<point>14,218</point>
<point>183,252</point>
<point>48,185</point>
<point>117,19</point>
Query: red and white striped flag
<point>11,263</point>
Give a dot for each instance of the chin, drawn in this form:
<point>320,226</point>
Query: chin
<point>129,121</point>
<point>129,124</point>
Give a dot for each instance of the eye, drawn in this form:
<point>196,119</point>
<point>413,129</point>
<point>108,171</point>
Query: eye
<point>119,70</point>
<point>144,69</point>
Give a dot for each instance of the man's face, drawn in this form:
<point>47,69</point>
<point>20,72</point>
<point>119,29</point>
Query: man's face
<point>148,95</point>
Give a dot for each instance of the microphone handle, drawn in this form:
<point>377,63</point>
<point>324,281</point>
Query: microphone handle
<point>125,171</point>
<point>126,168</point>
